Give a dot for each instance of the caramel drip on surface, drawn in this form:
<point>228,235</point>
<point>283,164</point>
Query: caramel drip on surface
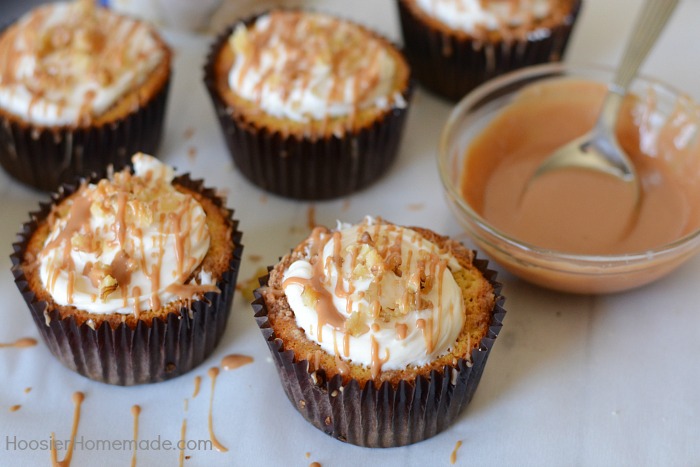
<point>24,342</point>
<point>78,398</point>
<point>15,408</point>
<point>453,456</point>
<point>197,384</point>
<point>27,390</point>
<point>183,438</point>
<point>135,411</point>
<point>213,373</point>
<point>233,361</point>
<point>315,464</point>
<point>317,359</point>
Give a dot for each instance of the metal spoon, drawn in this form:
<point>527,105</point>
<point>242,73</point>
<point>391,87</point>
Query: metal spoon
<point>598,149</point>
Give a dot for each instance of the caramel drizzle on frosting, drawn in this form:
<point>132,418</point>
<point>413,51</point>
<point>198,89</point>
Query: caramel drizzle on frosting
<point>118,195</point>
<point>88,32</point>
<point>351,54</point>
<point>414,281</point>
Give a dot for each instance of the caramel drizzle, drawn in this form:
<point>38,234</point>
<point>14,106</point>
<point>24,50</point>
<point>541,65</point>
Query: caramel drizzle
<point>213,373</point>
<point>21,343</point>
<point>183,438</point>
<point>15,408</point>
<point>135,412</point>
<point>453,456</point>
<point>78,398</point>
<point>346,62</point>
<point>197,383</point>
<point>377,362</point>
<point>325,309</point>
<point>234,361</point>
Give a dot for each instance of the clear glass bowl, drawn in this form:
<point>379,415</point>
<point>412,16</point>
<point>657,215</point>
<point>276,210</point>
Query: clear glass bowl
<point>552,269</point>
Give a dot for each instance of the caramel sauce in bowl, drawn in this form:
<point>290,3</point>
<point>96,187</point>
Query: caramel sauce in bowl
<point>574,232</point>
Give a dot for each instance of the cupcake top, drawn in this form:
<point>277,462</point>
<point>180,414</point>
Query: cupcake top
<point>129,243</point>
<point>476,16</point>
<point>302,66</point>
<point>66,63</point>
<point>377,294</point>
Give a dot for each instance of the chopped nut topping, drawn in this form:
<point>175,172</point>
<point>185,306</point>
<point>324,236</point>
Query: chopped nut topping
<point>108,285</point>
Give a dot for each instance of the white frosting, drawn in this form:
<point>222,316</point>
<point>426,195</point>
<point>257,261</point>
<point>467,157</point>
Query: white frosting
<point>442,305</point>
<point>469,15</point>
<point>64,65</point>
<point>315,68</point>
<point>159,222</point>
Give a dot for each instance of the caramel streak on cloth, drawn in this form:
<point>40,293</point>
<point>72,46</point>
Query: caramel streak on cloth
<point>183,438</point>
<point>135,411</point>
<point>453,456</point>
<point>20,343</point>
<point>233,361</point>
<point>213,374</point>
<point>78,398</point>
<point>15,408</point>
<point>197,384</point>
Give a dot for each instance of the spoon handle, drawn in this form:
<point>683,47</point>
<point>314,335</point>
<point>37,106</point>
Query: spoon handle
<point>650,21</point>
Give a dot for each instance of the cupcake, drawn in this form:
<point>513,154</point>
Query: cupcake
<point>380,333</point>
<point>130,278</point>
<point>81,88</point>
<point>455,45</point>
<point>311,106</point>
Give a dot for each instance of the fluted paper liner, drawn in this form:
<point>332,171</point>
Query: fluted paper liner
<point>149,352</point>
<point>387,416</point>
<point>451,65</point>
<point>47,157</point>
<point>310,168</point>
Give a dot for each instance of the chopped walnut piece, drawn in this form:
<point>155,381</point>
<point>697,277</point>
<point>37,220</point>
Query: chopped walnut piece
<point>355,325</point>
<point>108,285</point>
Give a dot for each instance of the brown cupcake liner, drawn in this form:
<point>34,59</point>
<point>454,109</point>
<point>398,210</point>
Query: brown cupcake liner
<point>149,352</point>
<point>451,65</point>
<point>307,168</point>
<point>387,416</point>
<point>47,157</point>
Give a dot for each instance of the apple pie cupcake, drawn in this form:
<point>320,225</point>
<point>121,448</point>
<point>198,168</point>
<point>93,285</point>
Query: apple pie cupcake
<point>455,45</point>
<point>130,278</point>
<point>311,106</point>
<point>380,333</point>
<point>81,87</point>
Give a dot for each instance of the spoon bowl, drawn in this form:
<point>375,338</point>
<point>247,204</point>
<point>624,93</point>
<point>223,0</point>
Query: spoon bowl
<point>598,149</point>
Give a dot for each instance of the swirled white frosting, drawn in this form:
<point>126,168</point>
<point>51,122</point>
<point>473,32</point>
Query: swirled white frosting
<point>126,244</point>
<point>66,63</point>
<point>302,66</point>
<point>378,296</point>
<point>469,15</point>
